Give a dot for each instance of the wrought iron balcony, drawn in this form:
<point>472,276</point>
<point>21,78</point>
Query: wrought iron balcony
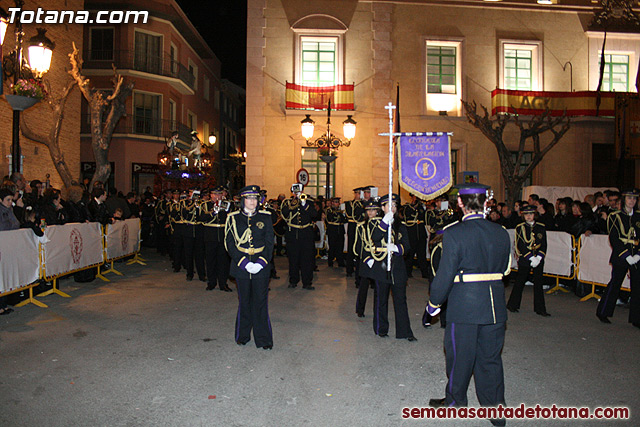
<point>143,126</point>
<point>128,60</point>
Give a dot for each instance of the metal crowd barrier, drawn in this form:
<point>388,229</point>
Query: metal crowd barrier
<point>26,259</point>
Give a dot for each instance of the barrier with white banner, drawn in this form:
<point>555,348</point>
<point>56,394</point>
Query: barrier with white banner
<point>71,247</point>
<point>19,260</point>
<point>559,260</point>
<point>121,239</point>
<point>593,263</point>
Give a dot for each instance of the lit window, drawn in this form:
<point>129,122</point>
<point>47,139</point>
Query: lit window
<point>443,77</point>
<point>520,65</point>
<point>319,60</point>
<point>616,72</point>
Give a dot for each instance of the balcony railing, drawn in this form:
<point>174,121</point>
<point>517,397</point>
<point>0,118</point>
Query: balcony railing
<point>128,60</point>
<point>143,126</point>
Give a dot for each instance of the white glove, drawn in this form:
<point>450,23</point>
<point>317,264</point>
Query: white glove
<point>394,248</point>
<point>534,261</point>
<point>636,258</point>
<point>388,218</point>
<point>253,268</point>
<point>303,202</point>
<point>257,267</point>
<point>631,260</point>
<point>370,263</point>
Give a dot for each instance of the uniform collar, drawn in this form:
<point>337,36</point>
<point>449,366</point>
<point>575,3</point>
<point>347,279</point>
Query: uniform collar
<point>472,215</point>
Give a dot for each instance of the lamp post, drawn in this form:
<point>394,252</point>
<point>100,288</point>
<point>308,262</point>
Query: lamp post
<point>15,65</point>
<point>328,141</point>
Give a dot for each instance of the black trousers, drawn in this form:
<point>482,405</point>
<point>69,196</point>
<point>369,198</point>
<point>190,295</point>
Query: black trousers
<point>524,268</point>
<point>418,243</point>
<point>253,310</point>
<point>301,254</point>
<point>608,300</point>
<point>350,257</point>
<point>381,308</point>
<point>336,246</point>
<point>361,298</point>
<point>161,238</point>
<point>474,350</point>
<point>217,263</point>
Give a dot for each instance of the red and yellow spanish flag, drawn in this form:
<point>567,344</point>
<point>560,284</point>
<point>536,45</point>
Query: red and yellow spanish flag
<point>535,103</point>
<point>317,97</point>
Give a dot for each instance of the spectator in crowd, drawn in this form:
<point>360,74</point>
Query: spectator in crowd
<point>8,221</point>
<point>545,214</point>
<point>17,199</point>
<point>76,206</point>
<point>533,200</point>
<point>516,208</point>
<point>494,216</point>
<point>113,202</point>
<point>591,200</point>
<point>600,200</point>
<point>586,223</point>
<point>564,219</point>
<point>148,193</point>
<point>52,210</point>
<point>614,201</point>
<point>31,221</point>
<point>509,218</point>
<point>97,208</point>
<point>134,207</point>
<point>37,190</point>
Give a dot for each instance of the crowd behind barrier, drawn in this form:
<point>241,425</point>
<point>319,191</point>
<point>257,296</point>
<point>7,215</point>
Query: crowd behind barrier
<point>25,258</point>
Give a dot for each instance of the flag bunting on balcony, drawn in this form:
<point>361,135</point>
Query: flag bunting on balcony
<point>317,97</point>
<point>534,103</point>
<point>425,163</point>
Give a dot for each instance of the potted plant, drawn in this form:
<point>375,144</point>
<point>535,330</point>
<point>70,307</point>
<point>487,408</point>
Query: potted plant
<point>26,93</point>
<point>327,154</point>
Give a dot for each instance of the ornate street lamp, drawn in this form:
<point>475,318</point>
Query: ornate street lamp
<point>14,64</point>
<point>328,141</point>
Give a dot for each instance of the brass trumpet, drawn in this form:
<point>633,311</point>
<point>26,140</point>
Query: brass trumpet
<point>303,196</point>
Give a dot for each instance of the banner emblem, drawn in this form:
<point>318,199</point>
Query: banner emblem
<point>75,243</point>
<point>425,164</point>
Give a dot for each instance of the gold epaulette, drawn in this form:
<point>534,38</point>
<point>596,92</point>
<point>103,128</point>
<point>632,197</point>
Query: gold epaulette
<point>449,225</point>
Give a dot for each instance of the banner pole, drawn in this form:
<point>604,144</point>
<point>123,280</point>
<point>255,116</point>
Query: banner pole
<point>391,109</point>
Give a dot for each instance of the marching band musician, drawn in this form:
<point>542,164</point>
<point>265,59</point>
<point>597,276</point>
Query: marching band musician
<point>624,232</point>
<point>374,266</point>
<point>249,241</point>
<point>439,217</point>
<point>436,255</point>
<point>531,248</point>
<point>275,217</point>
<point>300,214</point>
<point>161,216</point>
<point>189,212</point>
<point>335,220</point>
<point>476,254</point>
<point>353,211</point>
<point>213,216</point>
<point>362,240</point>
<point>414,218</point>
<point>177,234</point>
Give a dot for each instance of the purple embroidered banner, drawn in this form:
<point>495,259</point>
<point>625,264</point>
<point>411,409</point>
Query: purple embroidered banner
<point>425,164</point>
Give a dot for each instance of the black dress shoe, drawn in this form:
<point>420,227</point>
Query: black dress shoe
<point>437,403</point>
<point>636,324</point>
<point>226,289</point>
<point>292,285</point>
<point>603,319</point>
<point>360,314</point>
<point>309,288</point>
<point>203,279</point>
<point>242,342</point>
<point>275,276</point>
<point>7,310</point>
<point>176,270</point>
<point>383,335</point>
<point>513,310</point>
<point>189,278</point>
<point>412,339</point>
<point>267,347</point>
<point>543,313</point>
<point>211,287</point>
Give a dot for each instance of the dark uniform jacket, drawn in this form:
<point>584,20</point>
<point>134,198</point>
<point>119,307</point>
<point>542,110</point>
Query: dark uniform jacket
<point>373,238</point>
<point>354,211</point>
<point>472,246</point>
<point>298,217</point>
<point>213,219</point>
<point>437,220</point>
<point>249,239</point>
<point>174,213</point>
<point>624,232</point>
<point>335,219</point>
<point>413,214</point>
<point>531,241</point>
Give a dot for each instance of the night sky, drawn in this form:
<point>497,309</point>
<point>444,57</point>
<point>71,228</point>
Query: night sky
<point>223,24</point>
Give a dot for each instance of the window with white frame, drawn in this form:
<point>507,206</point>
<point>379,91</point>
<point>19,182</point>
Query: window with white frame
<point>192,121</point>
<point>443,76</point>
<point>101,44</point>
<point>193,70</point>
<point>146,113</point>
<point>521,65</point>
<point>319,58</point>
<point>172,115</point>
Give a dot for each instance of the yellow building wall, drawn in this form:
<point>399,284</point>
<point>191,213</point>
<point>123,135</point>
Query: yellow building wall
<point>385,45</point>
